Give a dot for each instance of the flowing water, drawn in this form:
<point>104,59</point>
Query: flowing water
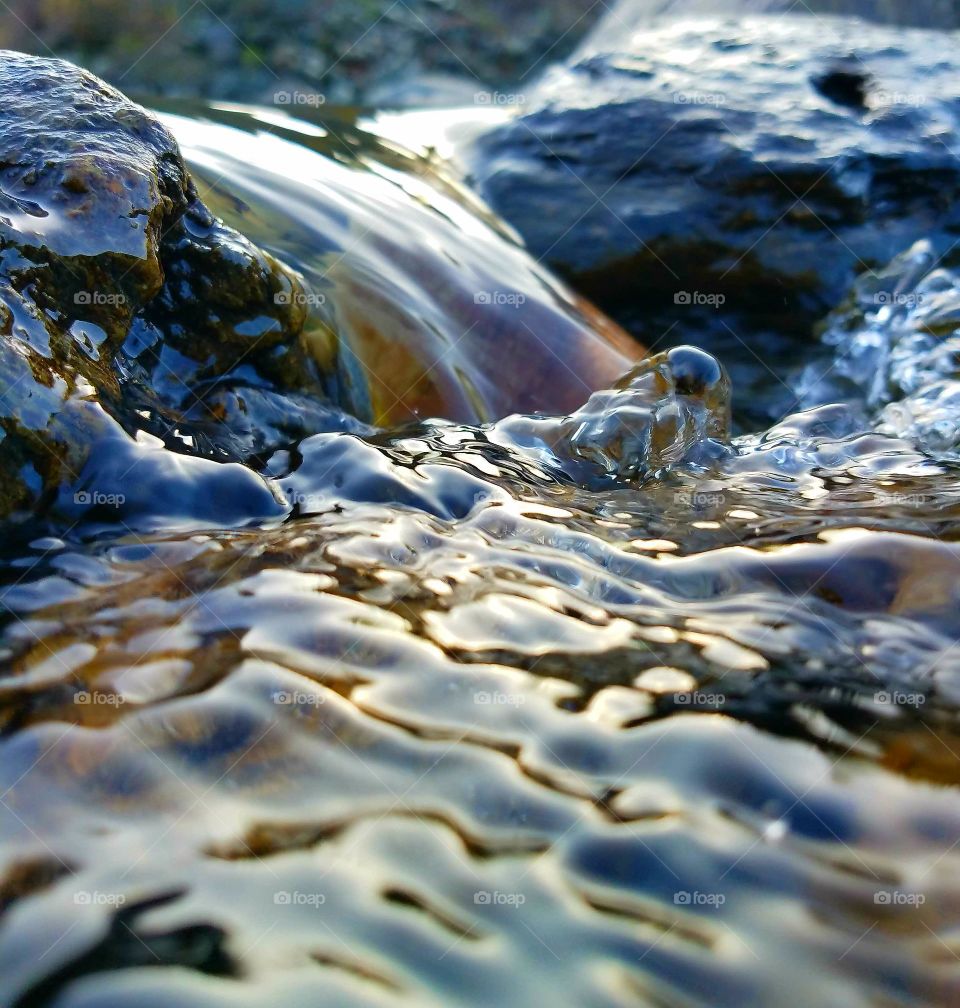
<point>592,707</point>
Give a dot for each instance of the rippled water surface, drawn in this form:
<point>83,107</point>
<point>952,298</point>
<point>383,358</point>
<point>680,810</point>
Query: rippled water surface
<point>590,707</point>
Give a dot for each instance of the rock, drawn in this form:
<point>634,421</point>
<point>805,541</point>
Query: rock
<point>756,163</point>
<point>102,234</point>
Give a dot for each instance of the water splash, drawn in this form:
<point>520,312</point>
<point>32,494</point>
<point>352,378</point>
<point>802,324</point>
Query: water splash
<point>673,407</point>
<point>896,351</point>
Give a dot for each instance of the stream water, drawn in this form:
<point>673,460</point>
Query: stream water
<point>551,698</point>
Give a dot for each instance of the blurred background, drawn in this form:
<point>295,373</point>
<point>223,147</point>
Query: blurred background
<point>380,52</point>
<point>374,52</point>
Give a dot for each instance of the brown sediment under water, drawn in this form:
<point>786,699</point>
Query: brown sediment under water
<point>602,707</point>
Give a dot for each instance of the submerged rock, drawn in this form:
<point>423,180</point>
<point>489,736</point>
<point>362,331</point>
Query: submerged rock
<point>755,163</point>
<point>420,305</point>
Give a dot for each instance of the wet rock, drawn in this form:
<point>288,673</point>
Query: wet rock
<point>102,235</point>
<point>756,163</point>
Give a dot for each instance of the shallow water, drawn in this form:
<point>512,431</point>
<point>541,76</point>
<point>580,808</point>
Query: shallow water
<point>600,708</point>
